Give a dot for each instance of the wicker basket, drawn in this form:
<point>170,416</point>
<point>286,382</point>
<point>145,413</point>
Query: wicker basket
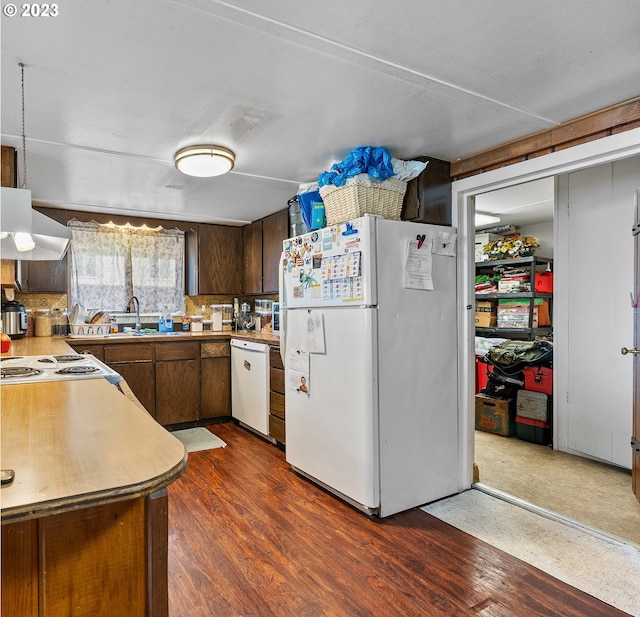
<point>361,195</point>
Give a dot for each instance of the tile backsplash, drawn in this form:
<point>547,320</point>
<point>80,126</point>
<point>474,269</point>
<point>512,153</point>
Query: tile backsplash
<point>36,302</point>
<point>41,301</point>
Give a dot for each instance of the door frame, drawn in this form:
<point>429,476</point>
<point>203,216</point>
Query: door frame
<point>597,152</point>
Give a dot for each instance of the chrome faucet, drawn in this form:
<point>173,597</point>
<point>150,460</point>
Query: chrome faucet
<point>136,304</point>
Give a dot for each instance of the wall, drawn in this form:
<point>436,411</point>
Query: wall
<point>544,233</point>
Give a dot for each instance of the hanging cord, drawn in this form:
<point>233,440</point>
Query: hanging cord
<point>24,139</point>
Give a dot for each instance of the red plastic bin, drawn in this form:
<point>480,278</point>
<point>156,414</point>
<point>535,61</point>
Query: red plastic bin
<point>533,431</point>
<point>538,379</point>
<point>543,282</point>
<point>482,374</point>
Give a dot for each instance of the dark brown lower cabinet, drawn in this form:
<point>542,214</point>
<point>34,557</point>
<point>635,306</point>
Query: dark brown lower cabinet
<point>109,559</point>
<point>177,382</point>
<point>215,379</point>
<point>140,376</point>
<point>135,364</point>
<point>276,396</point>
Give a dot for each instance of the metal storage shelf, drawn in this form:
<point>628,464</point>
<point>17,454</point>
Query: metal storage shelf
<point>529,333</point>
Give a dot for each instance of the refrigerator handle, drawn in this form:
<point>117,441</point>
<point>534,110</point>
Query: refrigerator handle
<point>283,305</point>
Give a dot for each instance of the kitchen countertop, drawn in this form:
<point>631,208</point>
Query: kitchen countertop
<point>259,337</point>
<point>78,443</point>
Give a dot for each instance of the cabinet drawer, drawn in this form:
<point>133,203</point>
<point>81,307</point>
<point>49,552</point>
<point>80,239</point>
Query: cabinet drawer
<point>275,359</point>
<point>177,351</point>
<point>276,429</point>
<point>276,376</point>
<point>94,350</point>
<point>128,353</point>
<point>276,404</point>
<point>215,349</point>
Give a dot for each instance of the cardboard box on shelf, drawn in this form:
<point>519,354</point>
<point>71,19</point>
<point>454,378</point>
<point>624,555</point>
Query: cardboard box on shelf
<point>486,314</point>
<point>506,286</point>
<point>493,415</point>
<point>486,320</point>
<point>481,240</point>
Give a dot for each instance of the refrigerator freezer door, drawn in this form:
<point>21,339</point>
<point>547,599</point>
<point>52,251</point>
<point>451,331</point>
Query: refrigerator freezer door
<point>333,266</point>
<point>332,430</point>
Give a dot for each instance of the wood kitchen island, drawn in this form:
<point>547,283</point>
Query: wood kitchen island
<point>84,522</point>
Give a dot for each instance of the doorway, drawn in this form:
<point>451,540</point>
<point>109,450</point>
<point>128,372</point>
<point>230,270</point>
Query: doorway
<point>464,193</point>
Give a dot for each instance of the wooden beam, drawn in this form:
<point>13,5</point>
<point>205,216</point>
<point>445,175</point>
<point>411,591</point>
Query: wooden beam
<point>616,119</point>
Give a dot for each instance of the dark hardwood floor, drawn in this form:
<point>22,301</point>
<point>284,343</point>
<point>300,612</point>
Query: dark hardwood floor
<point>250,538</point>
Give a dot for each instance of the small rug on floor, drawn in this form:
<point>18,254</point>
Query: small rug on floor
<point>199,438</point>
<point>603,568</point>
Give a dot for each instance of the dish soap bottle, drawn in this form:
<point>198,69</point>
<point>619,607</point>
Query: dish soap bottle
<point>165,323</point>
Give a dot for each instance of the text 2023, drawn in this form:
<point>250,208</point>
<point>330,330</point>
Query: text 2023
<point>39,10</point>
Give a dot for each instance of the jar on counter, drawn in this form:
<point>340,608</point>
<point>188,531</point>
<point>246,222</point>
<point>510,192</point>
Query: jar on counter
<point>30,324</point>
<point>43,323</point>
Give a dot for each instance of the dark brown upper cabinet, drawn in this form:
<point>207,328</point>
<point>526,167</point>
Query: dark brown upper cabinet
<point>214,260</point>
<point>428,197</point>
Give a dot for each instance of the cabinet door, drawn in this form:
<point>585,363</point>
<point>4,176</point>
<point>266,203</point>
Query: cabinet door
<point>252,261</point>
<point>275,229</point>
<point>219,259</point>
<point>46,276</point>
<point>140,377</point>
<point>428,197</point>
<point>177,391</point>
<point>215,387</point>
<point>9,167</point>
<point>94,350</point>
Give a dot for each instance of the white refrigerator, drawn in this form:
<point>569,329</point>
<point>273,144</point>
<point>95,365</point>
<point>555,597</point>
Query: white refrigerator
<point>369,339</point>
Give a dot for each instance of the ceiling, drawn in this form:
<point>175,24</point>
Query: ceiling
<point>114,88</point>
<point>530,203</point>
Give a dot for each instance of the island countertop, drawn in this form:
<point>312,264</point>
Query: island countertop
<point>78,443</point>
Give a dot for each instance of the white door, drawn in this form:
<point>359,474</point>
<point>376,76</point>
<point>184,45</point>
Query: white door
<point>635,438</point>
<point>331,430</point>
<point>595,271</point>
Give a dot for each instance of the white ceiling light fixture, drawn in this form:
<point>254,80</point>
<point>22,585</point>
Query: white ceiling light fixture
<point>204,161</point>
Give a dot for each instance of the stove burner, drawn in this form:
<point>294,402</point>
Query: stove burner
<point>78,370</point>
<point>67,358</point>
<point>7,372</point>
<point>6,358</point>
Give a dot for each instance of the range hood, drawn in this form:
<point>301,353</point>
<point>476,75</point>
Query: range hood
<point>51,238</point>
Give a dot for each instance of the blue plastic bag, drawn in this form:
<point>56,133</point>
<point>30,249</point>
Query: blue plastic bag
<point>365,159</point>
<point>312,209</point>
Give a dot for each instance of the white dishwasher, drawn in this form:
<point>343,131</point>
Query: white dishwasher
<point>250,385</point>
